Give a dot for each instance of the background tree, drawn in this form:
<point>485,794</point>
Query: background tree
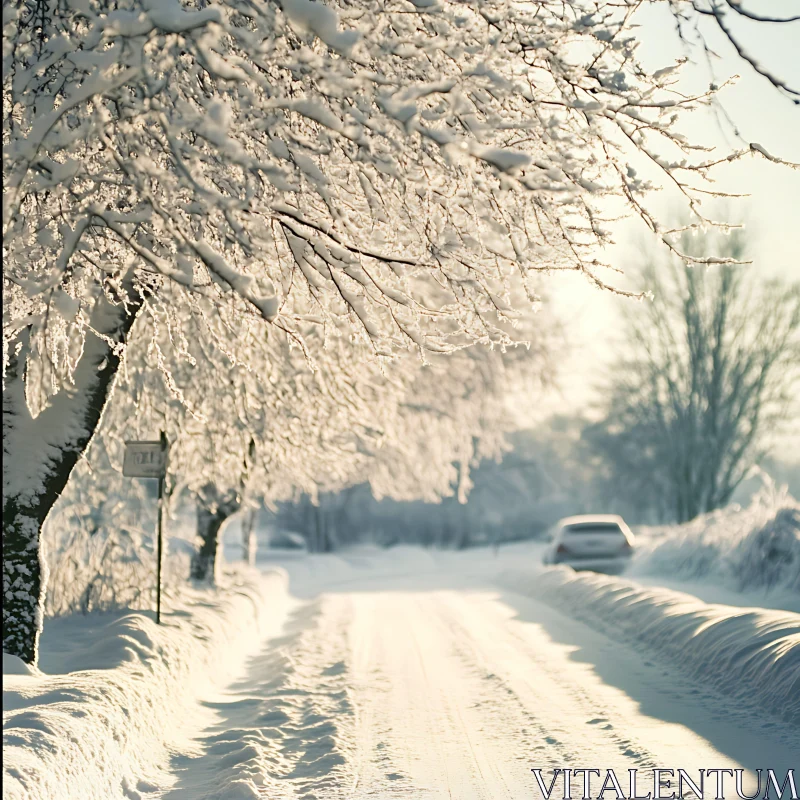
<point>250,418</point>
<point>214,509</point>
<point>543,475</point>
<point>710,373</point>
<point>256,423</point>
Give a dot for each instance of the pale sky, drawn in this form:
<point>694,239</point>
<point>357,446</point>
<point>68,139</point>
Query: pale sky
<point>772,211</point>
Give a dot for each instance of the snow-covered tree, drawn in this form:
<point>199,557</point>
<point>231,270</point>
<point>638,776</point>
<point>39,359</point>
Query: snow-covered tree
<point>253,420</point>
<point>456,413</point>
<point>297,162</point>
<point>250,419</point>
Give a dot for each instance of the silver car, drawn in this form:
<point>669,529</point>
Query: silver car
<point>600,542</point>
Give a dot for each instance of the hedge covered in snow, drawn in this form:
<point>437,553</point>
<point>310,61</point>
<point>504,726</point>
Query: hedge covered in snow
<point>757,547</point>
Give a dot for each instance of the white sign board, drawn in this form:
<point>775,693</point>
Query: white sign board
<point>144,460</point>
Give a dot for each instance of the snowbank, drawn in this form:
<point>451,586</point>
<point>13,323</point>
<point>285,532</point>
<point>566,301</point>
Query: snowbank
<point>104,727</point>
<point>752,655</point>
<point>13,665</point>
<point>756,548</point>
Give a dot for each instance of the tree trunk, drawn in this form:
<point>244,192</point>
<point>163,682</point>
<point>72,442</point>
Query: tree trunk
<point>39,456</point>
<point>24,579</point>
<point>318,531</point>
<point>209,524</point>
<point>249,543</point>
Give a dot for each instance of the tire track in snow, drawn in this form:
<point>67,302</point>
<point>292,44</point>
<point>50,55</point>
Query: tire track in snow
<point>499,696</point>
<point>542,690</point>
<point>395,704</point>
<point>518,708</point>
<point>582,707</point>
<point>433,726</point>
<point>411,693</point>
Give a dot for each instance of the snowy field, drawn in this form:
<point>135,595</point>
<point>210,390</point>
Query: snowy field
<point>400,674</point>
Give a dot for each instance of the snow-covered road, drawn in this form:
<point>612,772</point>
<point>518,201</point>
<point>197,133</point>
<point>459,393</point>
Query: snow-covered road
<point>434,683</point>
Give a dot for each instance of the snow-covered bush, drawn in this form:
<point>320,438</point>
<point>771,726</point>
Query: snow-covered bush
<point>757,547</point>
<point>112,568</point>
<point>101,555</point>
<point>770,554</point>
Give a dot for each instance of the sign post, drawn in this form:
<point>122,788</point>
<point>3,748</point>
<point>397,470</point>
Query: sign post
<point>148,459</point>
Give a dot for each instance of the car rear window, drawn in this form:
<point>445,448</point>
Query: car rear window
<point>593,527</point>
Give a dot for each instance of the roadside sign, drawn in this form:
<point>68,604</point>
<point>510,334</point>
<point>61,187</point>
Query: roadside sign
<point>144,460</point>
<point>149,460</point>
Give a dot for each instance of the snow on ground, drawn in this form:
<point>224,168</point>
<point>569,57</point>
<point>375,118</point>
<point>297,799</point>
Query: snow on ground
<point>116,692</point>
<point>709,592</point>
<point>412,674</point>
<point>401,674</point>
<point>750,654</point>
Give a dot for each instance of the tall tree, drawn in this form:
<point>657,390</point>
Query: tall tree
<point>713,366</point>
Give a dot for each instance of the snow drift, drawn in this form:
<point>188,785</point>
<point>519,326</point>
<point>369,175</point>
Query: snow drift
<point>757,547</point>
<point>104,727</point>
<point>752,655</point>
